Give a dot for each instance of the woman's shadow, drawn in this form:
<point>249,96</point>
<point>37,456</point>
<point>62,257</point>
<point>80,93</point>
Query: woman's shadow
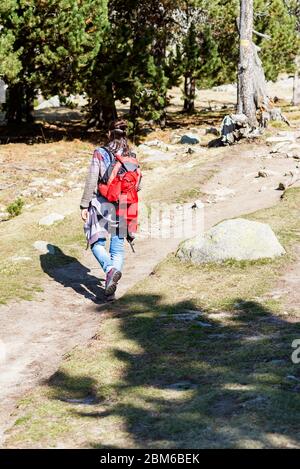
<point>70,273</point>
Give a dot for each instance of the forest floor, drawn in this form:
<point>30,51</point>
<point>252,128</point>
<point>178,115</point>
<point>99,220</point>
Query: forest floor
<point>133,373</point>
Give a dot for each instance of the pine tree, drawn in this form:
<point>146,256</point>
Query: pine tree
<point>10,64</point>
<point>56,42</point>
<point>278,53</point>
<point>133,61</point>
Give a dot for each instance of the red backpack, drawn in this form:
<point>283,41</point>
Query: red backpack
<point>121,180</point>
<point>120,184</point>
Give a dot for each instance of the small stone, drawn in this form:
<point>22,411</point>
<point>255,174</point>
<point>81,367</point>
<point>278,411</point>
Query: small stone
<point>203,324</point>
<point>197,204</point>
<point>212,130</point>
<point>48,220</point>
<point>38,182</point>
<point>44,247</point>
<point>20,258</point>
<point>281,187</point>
<point>193,311</point>
<point>182,385</point>
<point>187,316</point>
<point>4,215</point>
<point>154,154</point>
<point>262,174</point>
<point>293,378</point>
<point>157,143</point>
<point>277,361</point>
<point>89,400</point>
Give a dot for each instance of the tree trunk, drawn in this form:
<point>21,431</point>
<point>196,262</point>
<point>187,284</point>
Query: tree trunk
<point>246,104</point>
<point>252,96</point>
<point>189,93</point>
<point>15,104</point>
<point>20,104</point>
<point>103,109</point>
<point>296,89</point>
<point>102,114</point>
<point>29,105</point>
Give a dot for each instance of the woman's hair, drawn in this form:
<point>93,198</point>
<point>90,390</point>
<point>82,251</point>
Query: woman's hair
<point>118,137</point>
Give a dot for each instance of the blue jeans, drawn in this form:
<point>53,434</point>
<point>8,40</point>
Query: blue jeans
<point>114,258</point>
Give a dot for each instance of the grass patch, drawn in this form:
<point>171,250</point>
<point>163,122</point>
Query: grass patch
<point>151,380</point>
<point>22,266</point>
<point>189,195</point>
<point>278,125</point>
<point>15,208</point>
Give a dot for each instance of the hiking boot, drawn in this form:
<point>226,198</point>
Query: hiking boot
<point>112,279</point>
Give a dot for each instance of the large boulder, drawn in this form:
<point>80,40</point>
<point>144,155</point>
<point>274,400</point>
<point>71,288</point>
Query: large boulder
<point>237,239</point>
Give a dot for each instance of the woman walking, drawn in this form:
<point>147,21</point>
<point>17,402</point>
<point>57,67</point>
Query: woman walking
<point>109,204</point>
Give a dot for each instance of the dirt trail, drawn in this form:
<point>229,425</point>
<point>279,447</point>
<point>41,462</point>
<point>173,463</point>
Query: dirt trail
<point>38,333</point>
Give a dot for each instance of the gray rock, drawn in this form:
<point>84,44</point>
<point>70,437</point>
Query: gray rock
<point>186,316</point>
<point>48,220</point>
<point>203,324</point>
<point>4,215</point>
<point>189,139</point>
<point>212,130</point>
<point>262,174</point>
<point>44,247</point>
<point>52,102</point>
<point>181,386</point>
<point>293,378</point>
<point>154,154</point>
<point>237,239</point>
<point>89,400</point>
<point>157,143</point>
<point>293,151</point>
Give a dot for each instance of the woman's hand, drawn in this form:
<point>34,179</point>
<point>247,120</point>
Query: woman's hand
<point>84,214</point>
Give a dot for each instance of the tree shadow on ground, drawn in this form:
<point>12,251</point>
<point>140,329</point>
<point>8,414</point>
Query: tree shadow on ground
<point>70,273</point>
<point>217,380</point>
<point>48,132</point>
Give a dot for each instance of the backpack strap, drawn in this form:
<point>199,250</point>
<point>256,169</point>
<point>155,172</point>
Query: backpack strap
<point>114,172</point>
<point>109,169</point>
<point>129,163</point>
